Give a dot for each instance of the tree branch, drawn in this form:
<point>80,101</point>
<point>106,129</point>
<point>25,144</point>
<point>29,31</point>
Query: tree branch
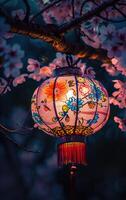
<point>71,25</point>
<point>58,42</point>
<point>50,34</point>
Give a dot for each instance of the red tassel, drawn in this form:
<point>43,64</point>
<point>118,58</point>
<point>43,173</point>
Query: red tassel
<point>72,153</point>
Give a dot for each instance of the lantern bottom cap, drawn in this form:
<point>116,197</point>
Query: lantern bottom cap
<point>72,153</point>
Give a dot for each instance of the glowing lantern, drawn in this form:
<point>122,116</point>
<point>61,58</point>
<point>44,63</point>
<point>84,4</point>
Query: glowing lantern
<point>70,107</point>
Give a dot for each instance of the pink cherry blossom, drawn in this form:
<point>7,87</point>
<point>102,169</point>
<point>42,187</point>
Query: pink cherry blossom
<point>42,74</point>
<point>95,32</point>
<point>116,61</point>
<point>114,101</point>
<point>121,122</point>
<point>60,60</point>
<point>119,97</point>
<point>45,71</point>
<point>120,68</point>
<point>33,65</point>
<point>20,79</point>
<point>110,69</point>
<point>39,73</point>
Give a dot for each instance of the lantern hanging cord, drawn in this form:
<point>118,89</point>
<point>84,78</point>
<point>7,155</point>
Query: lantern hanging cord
<point>69,60</point>
<point>75,63</point>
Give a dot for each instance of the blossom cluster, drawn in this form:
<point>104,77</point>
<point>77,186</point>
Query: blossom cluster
<point>64,11</point>
<point>39,72</point>
<point>121,122</point>
<point>119,97</point>
<point>97,32</point>
<point>10,55</point>
<point>111,39</point>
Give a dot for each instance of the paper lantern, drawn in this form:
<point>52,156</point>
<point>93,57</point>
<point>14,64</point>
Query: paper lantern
<point>70,107</point>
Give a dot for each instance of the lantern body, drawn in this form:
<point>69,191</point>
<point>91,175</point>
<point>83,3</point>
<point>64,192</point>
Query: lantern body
<point>70,107</point>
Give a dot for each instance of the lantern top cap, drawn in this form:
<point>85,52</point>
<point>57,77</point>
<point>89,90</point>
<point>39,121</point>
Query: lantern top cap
<point>67,71</point>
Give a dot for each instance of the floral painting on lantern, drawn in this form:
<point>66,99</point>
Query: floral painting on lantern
<point>71,105</point>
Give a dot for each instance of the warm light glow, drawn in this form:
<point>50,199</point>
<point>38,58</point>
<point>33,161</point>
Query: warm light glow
<point>70,93</point>
<point>66,105</point>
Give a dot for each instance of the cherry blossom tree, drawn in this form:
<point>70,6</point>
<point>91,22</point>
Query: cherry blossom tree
<point>87,31</point>
<point>98,29</point>
<point>99,33</point>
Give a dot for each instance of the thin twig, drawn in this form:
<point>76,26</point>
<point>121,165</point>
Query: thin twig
<point>26,19</point>
<point>119,11</point>
<point>15,130</point>
<point>75,63</point>
<point>18,145</point>
<point>44,9</point>
<point>8,84</point>
<point>82,6</point>
<point>71,25</point>
<point>107,14</point>
<point>110,20</point>
<point>73,9</point>
<point>82,32</point>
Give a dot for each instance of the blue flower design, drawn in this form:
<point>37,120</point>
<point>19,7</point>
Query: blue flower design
<point>96,93</point>
<point>93,121</point>
<point>37,118</point>
<point>72,103</point>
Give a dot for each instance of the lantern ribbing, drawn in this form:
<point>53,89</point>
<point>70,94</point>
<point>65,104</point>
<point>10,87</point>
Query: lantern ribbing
<point>70,107</point>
